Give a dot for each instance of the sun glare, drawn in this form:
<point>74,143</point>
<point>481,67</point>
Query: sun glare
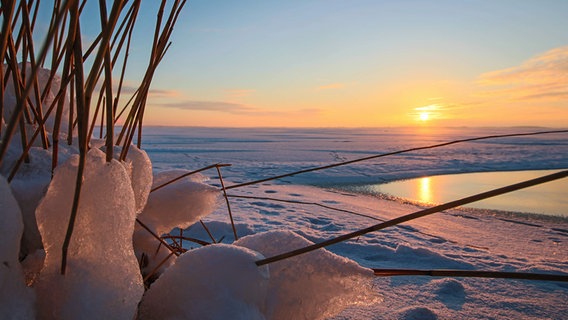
<point>424,116</point>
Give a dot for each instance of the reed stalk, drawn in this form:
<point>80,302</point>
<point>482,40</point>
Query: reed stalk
<point>471,274</point>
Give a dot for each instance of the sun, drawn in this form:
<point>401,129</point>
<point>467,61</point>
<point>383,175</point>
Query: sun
<point>424,116</point>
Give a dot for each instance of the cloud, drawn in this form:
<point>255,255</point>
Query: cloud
<point>331,86</point>
<point>220,106</point>
<point>239,93</point>
<point>544,77</point>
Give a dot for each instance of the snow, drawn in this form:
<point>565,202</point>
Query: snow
<point>311,286</point>
<point>102,278</point>
<point>214,282</point>
<point>177,205</point>
<point>16,300</point>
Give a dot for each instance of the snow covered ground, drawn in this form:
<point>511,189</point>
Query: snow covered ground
<point>455,239</point>
<point>106,271</point>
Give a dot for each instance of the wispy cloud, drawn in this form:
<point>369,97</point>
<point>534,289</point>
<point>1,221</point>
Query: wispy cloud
<point>239,93</point>
<point>331,86</point>
<point>220,106</point>
<point>542,77</point>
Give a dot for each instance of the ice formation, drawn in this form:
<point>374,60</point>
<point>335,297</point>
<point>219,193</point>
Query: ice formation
<point>43,77</point>
<point>177,205</point>
<point>214,282</point>
<point>16,300</point>
<point>102,279</point>
<point>141,176</point>
<point>314,285</point>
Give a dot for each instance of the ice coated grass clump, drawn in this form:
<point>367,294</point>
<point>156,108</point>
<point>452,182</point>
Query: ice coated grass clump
<point>16,300</point>
<point>314,285</point>
<point>177,205</point>
<point>214,282</point>
<point>102,279</point>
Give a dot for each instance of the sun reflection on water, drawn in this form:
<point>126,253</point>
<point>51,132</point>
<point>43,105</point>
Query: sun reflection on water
<point>425,190</point>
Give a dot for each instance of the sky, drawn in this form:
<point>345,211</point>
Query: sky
<point>360,63</point>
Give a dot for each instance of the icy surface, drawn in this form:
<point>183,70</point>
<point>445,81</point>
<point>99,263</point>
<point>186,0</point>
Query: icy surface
<point>460,238</point>
<point>179,204</point>
<point>141,175</point>
<point>102,279</point>
<point>16,300</point>
<point>310,286</point>
<point>214,282</point>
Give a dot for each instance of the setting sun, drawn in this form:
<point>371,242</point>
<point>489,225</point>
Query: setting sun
<point>424,116</point>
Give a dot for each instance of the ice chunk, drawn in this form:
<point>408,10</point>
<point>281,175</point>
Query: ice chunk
<point>180,204</point>
<point>315,285</point>
<point>141,176</point>
<point>102,279</point>
<point>16,300</point>
<point>138,166</point>
<point>29,186</point>
<point>213,282</point>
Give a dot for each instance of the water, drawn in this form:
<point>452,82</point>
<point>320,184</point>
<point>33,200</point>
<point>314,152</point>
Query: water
<point>549,198</point>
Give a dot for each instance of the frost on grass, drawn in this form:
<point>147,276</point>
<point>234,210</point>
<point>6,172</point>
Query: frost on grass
<point>177,205</point>
<point>102,279</point>
<point>16,300</point>
<point>314,285</point>
<point>214,282</point>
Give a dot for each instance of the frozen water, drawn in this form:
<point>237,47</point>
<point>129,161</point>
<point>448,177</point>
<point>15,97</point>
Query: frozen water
<point>315,285</point>
<point>180,204</point>
<point>16,300</point>
<point>177,205</point>
<point>102,279</point>
<point>213,282</point>
<point>43,77</point>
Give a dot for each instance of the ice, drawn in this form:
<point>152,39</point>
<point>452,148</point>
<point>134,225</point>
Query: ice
<point>177,205</point>
<point>16,300</point>
<point>213,282</point>
<point>315,285</point>
<point>102,278</point>
<point>141,176</point>
<point>139,168</point>
<point>43,77</point>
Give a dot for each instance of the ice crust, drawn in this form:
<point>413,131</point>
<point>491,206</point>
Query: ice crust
<point>102,279</point>
<point>214,282</point>
<point>178,205</point>
<point>16,300</point>
<point>314,285</point>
